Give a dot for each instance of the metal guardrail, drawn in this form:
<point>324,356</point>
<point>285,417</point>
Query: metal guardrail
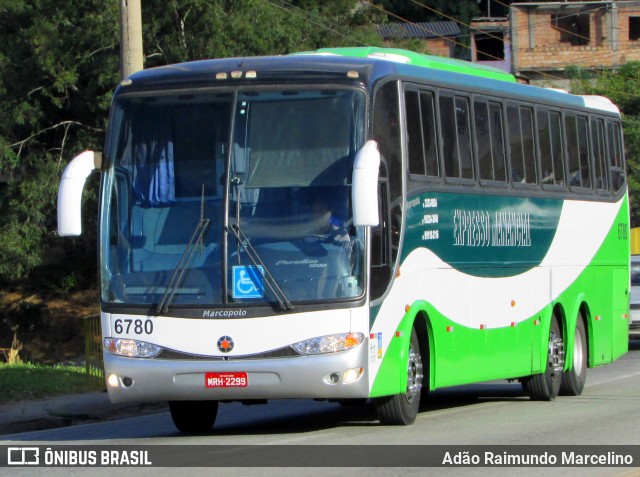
<point>93,352</point>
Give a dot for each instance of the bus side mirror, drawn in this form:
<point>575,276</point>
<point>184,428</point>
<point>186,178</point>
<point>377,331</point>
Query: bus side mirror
<point>70,192</point>
<point>364,191</point>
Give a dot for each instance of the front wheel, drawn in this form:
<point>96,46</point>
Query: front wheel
<point>574,379</point>
<point>545,386</point>
<point>193,416</point>
<point>402,409</point>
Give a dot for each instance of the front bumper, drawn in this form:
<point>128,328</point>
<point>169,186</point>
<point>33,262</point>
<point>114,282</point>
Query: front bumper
<point>274,378</point>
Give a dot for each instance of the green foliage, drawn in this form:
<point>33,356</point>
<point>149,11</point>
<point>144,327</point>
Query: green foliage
<point>59,63</point>
<point>198,29</point>
<point>433,10</point>
<point>32,381</point>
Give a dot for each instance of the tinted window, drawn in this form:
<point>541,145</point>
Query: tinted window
<point>522,151</point>
<point>456,136</point>
<point>415,141</point>
<point>583,153</point>
<point>449,142</point>
<point>599,155</point>
<point>489,140</point>
<point>427,109</point>
<point>616,163</point>
<point>421,133</point>
<point>578,151</point>
<point>573,161</point>
<point>550,145</point>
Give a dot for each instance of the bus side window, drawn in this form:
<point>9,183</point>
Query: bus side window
<point>514,133</point>
<point>422,145</point>
<point>573,159</point>
<point>521,144</point>
<point>598,141</point>
<point>415,140</point>
<point>616,162</point>
<point>428,115</point>
<point>583,153</point>
<point>449,143</point>
<point>557,149</point>
<point>456,136</point>
<point>489,140</point>
<point>463,129</point>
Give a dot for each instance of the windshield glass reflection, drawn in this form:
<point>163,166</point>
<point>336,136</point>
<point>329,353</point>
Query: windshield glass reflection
<point>281,211</point>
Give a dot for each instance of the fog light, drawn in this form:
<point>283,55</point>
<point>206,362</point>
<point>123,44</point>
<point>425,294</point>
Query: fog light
<point>112,381</point>
<point>351,375</point>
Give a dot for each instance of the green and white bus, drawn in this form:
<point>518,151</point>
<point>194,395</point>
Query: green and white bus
<point>353,224</point>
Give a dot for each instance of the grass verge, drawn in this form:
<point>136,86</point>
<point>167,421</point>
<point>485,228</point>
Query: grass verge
<point>31,381</point>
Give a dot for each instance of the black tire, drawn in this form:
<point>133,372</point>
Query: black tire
<point>545,386</point>
<point>402,409</point>
<point>574,379</point>
<point>193,416</point>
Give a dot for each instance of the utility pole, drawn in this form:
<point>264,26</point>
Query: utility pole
<point>130,37</point>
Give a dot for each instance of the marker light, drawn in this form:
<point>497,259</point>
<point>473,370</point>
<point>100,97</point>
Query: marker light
<point>329,343</point>
<point>131,348</point>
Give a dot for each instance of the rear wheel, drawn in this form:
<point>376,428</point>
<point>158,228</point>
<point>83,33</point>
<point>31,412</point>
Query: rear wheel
<point>545,386</point>
<point>402,409</point>
<point>193,416</point>
<point>574,379</point>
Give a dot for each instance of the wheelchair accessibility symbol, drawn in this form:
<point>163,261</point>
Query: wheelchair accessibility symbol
<point>248,281</point>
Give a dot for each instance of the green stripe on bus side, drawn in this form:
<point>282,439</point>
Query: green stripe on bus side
<point>475,233</point>
<point>462,355</point>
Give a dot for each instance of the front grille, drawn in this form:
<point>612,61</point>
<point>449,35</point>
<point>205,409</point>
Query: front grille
<point>286,352</point>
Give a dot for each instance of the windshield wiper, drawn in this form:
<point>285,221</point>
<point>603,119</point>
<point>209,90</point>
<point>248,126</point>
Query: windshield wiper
<point>185,259</point>
<point>253,255</point>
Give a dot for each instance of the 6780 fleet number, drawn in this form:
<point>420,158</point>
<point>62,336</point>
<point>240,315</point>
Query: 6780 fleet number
<point>137,326</point>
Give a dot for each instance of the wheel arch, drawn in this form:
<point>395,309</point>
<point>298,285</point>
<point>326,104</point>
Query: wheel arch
<point>417,317</point>
<point>422,324</point>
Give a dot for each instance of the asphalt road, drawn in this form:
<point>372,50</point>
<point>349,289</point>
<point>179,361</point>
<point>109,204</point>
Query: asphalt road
<point>495,413</point>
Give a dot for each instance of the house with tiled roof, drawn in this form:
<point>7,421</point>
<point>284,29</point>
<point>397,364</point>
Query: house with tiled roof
<point>438,38</point>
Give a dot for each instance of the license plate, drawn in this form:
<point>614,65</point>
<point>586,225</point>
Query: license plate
<point>226,380</point>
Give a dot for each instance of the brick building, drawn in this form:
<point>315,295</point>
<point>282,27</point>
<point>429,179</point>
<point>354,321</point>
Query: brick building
<point>491,42</point>
<point>542,39</point>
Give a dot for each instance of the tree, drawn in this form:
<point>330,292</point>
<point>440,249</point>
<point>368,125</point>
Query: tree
<point>198,29</point>
<point>59,64</point>
<point>433,10</point>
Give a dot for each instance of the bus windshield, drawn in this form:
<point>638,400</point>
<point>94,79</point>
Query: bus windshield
<point>232,198</point>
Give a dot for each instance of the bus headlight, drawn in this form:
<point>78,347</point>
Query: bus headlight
<point>131,348</point>
<point>329,343</point>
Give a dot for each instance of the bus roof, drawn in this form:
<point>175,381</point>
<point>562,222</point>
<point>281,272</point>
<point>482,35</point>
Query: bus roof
<point>368,63</point>
<point>418,59</point>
